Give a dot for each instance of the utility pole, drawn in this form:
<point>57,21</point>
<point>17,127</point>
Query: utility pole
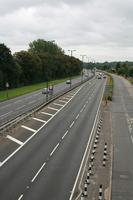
<point>83,56</point>
<point>71,53</point>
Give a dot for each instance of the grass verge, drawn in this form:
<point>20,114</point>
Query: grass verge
<point>109,88</point>
<point>11,93</point>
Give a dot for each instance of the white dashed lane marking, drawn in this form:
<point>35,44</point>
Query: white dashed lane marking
<point>14,140</point>
<point>54,149</point>
<point>40,120</point>
<point>38,172</point>
<point>18,101</point>
<point>45,113</point>
<point>28,128</point>
<point>21,196</point>
<point>72,124</point>
<point>20,107</point>
<point>31,102</point>
<point>5,106</point>
<point>36,131</point>
<point>77,116</point>
<point>65,134</point>
<point>6,114</point>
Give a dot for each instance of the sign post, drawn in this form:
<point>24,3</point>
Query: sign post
<point>7,86</point>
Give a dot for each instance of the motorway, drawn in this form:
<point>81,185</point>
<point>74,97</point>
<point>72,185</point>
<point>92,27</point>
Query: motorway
<point>40,159</point>
<point>122,121</point>
<point>11,108</point>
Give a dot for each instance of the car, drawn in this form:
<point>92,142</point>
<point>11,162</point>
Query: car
<point>45,91</point>
<point>68,82</point>
<point>99,76</point>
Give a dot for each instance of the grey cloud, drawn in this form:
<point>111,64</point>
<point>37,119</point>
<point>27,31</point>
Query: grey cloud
<point>95,26</point>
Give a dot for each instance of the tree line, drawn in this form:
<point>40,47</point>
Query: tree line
<point>121,68</point>
<point>43,61</point>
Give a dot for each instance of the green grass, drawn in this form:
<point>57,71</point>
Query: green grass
<point>109,88</point>
<point>27,89</point>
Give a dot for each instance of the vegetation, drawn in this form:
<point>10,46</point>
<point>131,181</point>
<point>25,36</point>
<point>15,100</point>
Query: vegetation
<point>26,89</point>
<point>121,68</point>
<point>109,88</point>
<point>43,61</point>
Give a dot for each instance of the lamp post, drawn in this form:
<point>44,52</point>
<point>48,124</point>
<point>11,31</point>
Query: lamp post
<point>83,56</point>
<point>47,79</point>
<point>71,53</point>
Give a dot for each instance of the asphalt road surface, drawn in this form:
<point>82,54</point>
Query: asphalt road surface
<point>122,119</point>
<point>14,107</point>
<point>41,161</point>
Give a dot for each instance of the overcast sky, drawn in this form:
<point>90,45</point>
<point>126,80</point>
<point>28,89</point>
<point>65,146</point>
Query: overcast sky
<point>100,29</point>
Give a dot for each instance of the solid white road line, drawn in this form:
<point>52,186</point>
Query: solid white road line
<point>63,101</point>
<point>54,149</point>
<point>14,140</point>
<point>38,172</point>
<point>65,134</point>
<point>57,104</point>
<point>20,147</point>
<point>45,113</point>
<point>37,119</point>
<point>51,108</point>
<point>86,150</point>
<point>132,138</point>
<point>28,128</point>
<point>72,124</point>
<point>21,196</point>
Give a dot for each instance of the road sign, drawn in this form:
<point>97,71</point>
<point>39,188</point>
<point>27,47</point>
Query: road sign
<point>7,85</point>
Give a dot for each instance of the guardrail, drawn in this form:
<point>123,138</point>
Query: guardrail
<point>24,116</point>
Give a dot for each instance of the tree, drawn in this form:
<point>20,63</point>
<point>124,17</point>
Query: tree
<point>43,46</point>
<point>7,66</point>
<point>30,65</point>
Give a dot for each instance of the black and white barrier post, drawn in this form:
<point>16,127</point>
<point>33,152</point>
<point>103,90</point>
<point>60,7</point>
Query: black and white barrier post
<point>82,196</point>
<point>85,189</point>
<point>88,178</point>
<point>100,193</point>
<point>105,155</point>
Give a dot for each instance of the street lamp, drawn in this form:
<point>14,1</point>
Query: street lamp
<point>83,56</point>
<point>71,51</point>
<point>47,80</point>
